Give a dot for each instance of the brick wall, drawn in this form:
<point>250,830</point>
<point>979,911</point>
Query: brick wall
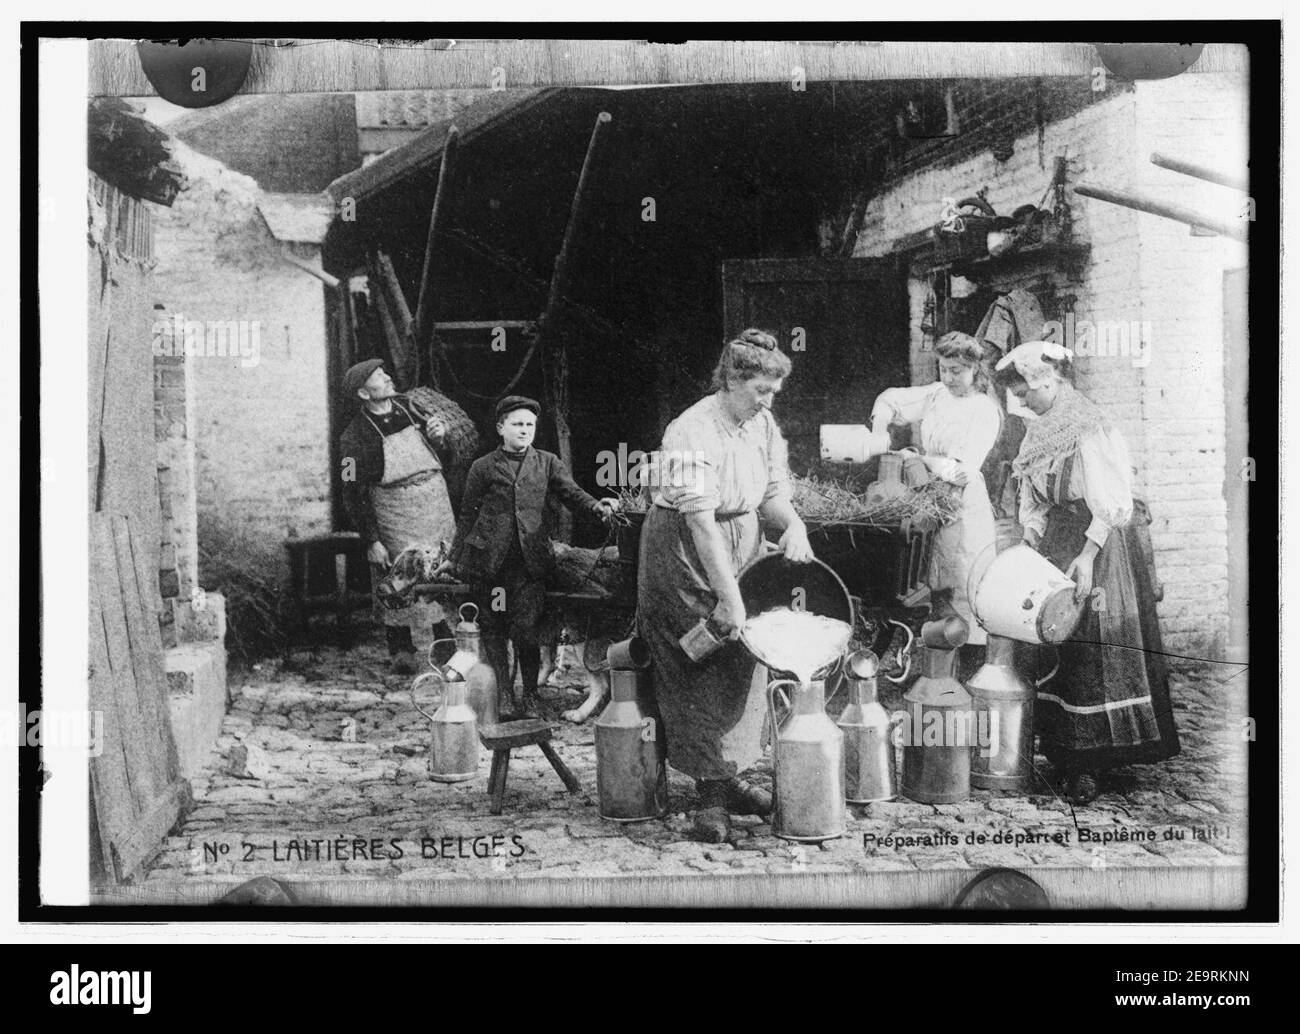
<point>1200,118</point>
<point>177,496</point>
<point>1140,268</point>
<point>260,417</point>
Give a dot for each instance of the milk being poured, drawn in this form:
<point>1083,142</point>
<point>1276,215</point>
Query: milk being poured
<point>796,641</point>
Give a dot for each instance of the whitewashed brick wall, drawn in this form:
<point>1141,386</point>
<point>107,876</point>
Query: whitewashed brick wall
<point>261,432</point>
<point>1141,268</point>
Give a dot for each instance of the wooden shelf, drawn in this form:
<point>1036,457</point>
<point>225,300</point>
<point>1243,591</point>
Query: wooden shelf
<point>1067,255</point>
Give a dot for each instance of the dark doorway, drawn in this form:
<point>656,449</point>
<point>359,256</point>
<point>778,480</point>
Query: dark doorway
<point>844,322</point>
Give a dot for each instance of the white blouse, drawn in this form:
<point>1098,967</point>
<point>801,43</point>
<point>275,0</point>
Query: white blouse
<point>1101,476</point>
<point>956,433</point>
<point>709,462</point>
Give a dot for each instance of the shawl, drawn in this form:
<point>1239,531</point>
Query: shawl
<point>1055,435</point>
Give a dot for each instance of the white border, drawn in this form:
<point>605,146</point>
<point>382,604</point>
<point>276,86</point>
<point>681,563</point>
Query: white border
<point>65,540</point>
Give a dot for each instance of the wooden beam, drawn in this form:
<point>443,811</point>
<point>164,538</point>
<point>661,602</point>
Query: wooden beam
<point>393,343</point>
<point>424,299</point>
<point>1153,206</point>
<point>481,324</point>
<point>307,267</point>
<point>1201,172</point>
<point>349,343</point>
<point>338,65</point>
<point>401,314</point>
<point>555,356</point>
<point>559,275</point>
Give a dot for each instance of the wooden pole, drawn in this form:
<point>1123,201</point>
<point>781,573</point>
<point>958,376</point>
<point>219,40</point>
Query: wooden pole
<point>1179,213</point>
<point>401,314</point>
<point>558,276</point>
<point>392,340</point>
<point>352,342</point>
<point>307,267</point>
<point>1200,172</point>
<point>555,358</point>
<point>424,300</point>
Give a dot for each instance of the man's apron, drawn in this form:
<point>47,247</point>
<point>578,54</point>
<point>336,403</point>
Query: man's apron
<point>411,509</point>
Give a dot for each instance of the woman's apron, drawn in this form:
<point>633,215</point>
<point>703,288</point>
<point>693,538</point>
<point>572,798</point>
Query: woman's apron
<point>1109,703</point>
<point>411,508</point>
<point>958,544</point>
<point>712,721</point>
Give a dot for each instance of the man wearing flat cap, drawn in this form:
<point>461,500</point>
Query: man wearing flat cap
<point>503,546</point>
<point>394,490</point>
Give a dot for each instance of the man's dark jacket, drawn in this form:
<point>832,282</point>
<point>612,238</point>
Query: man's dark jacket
<point>363,445</point>
<point>495,505</point>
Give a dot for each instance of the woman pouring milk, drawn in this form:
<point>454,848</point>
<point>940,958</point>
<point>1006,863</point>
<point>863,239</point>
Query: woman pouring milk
<point>723,476</point>
<point>959,423</point>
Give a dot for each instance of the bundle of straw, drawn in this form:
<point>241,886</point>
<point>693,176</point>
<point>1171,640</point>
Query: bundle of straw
<point>633,500</point>
<point>829,503</point>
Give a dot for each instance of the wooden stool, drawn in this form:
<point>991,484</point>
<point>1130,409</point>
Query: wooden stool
<point>501,738</point>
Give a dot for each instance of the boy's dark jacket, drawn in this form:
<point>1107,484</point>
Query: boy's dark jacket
<point>494,504</point>
<point>364,445</point>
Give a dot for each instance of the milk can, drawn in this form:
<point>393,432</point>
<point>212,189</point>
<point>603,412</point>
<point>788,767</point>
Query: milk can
<point>468,663</point>
<point>1004,713</point>
<point>807,763</point>
<point>631,778</point>
<point>453,733</point>
<point>870,772</point>
<point>939,729</point>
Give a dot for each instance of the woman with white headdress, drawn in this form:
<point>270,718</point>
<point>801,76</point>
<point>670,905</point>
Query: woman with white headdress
<point>1109,704</point>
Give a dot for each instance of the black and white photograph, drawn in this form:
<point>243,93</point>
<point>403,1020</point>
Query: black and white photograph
<point>760,474</point>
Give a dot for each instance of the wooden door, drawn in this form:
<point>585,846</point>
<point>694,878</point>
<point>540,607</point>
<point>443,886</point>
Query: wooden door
<point>844,323</point>
<point>136,786</point>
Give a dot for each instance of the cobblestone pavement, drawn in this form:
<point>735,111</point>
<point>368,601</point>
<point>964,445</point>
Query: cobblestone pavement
<point>314,803</point>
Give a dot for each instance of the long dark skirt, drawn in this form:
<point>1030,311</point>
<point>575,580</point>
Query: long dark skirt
<point>712,723</point>
<point>1109,702</point>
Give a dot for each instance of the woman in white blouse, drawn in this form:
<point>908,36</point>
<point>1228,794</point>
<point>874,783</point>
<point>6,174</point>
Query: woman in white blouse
<point>721,466</point>
<point>1109,704</point>
<point>959,423</point>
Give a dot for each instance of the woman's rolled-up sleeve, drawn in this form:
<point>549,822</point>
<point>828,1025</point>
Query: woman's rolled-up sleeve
<point>1107,482</point>
<point>688,478</point>
<point>903,405</point>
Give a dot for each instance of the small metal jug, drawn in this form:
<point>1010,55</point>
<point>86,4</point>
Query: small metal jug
<point>468,663</point>
<point>631,777</point>
<point>870,764</point>
<point>702,640</point>
<point>453,734</point>
<point>807,764</point>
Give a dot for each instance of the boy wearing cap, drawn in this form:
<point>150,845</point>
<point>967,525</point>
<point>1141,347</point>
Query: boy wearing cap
<point>394,489</point>
<point>503,545</point>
